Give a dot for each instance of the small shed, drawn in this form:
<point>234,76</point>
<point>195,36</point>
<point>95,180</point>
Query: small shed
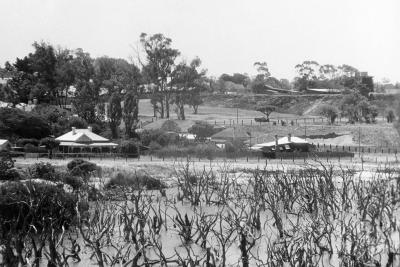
<point>5,145</point>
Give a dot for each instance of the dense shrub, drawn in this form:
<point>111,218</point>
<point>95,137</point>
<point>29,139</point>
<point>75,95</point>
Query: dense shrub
<point>29,148</point>
<point>43,170</point>
<point>49,142</point>
<point>7,171</point>
<point>81,168</point>
<point>161,137</point>
<point>98,128</point>
<point>51,113</point>
<point>135,181</point>
<point>172,151</point>
<point>16,122</point>
<point>390,117</point>
<point>129,147</point>
<point>234,147</point>
<point>148,136</point>
<point>74,181</point>
<point>77,122</point>
<point>356,108</point>
<point>170,126</point>
<point>24,141</point>
<point>56,116</point>
<point>23,205</point>
<point>330,112</point>
<point>168,139</point>
<point>229,147</point>
<point>208,151</point>
<point>202,130</point>
<point>154,146</point>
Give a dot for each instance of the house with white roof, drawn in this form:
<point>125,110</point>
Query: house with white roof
<point>5,145</point>
<point>84,139</point>
<point>285,144</point>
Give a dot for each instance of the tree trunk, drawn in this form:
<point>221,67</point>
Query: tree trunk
<point>167,105</point>
<point>195,108</point>
<point>155,111</point>
<point>182,111</point>
<point>162,109</point>
<point>243,249</point>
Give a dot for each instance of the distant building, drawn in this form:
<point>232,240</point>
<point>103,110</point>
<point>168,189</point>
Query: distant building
<point>5,145</point>
<point>324,90</point>
<point>285,144</point>
<point>84,139</point>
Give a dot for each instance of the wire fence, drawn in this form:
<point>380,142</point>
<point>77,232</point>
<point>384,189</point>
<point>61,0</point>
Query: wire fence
<point>276,121</point>
<point>328,153</point>
<point>357,149</point>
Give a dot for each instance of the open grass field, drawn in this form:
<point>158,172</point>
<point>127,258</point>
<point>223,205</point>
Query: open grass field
<point>208,113</point>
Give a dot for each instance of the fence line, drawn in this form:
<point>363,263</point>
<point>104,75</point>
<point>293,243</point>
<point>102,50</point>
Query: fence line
<point>281,158</point>
<point>283,121</point>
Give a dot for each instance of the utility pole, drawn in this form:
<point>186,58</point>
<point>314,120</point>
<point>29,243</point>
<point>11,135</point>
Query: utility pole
<point>359,141</point>
<point>237,115</point>
<point>250,138</point>
<point>305,130</point>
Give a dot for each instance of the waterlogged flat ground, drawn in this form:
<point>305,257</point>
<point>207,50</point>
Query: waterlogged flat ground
<point>165,168</point>
<point>238,170</point>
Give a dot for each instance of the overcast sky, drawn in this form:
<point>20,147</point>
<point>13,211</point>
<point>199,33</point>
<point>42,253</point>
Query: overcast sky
<point>227,35</point>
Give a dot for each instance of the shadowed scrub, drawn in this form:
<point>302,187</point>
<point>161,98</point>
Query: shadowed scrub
<point>134,181</point>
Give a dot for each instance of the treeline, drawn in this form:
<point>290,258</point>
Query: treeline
<point>310,74</point>
<point>96,87</point>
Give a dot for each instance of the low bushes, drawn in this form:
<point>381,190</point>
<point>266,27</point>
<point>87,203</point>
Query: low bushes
<point>202,130</point>
<point>161,137</point>
<point>43,171</point>
<point>129,148</point>
<point>29,148</point>
<point>19,123</point>
<point>75,182</point>
<point>82,168</point>
<point>170,126</point>
<point>7,171</point>
<point>203,150</point>
<point>208,151</point>
<point>25,141</point>
<point>135,181</point>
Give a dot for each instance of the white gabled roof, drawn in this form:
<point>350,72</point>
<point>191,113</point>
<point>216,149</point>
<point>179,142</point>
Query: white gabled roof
<point>281,141</point>
<point>3,141</point>
<point>81,135</point>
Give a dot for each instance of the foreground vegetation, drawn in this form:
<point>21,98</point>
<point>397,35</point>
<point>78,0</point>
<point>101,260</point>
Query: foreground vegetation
<point>311,216</point>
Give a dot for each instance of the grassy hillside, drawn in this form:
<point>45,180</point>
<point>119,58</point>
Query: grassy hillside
<point>294,104</point>
<point>231,108</point>
<point>207,112</point>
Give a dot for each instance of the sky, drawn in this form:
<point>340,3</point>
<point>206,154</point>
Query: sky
<point>227,35</point>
